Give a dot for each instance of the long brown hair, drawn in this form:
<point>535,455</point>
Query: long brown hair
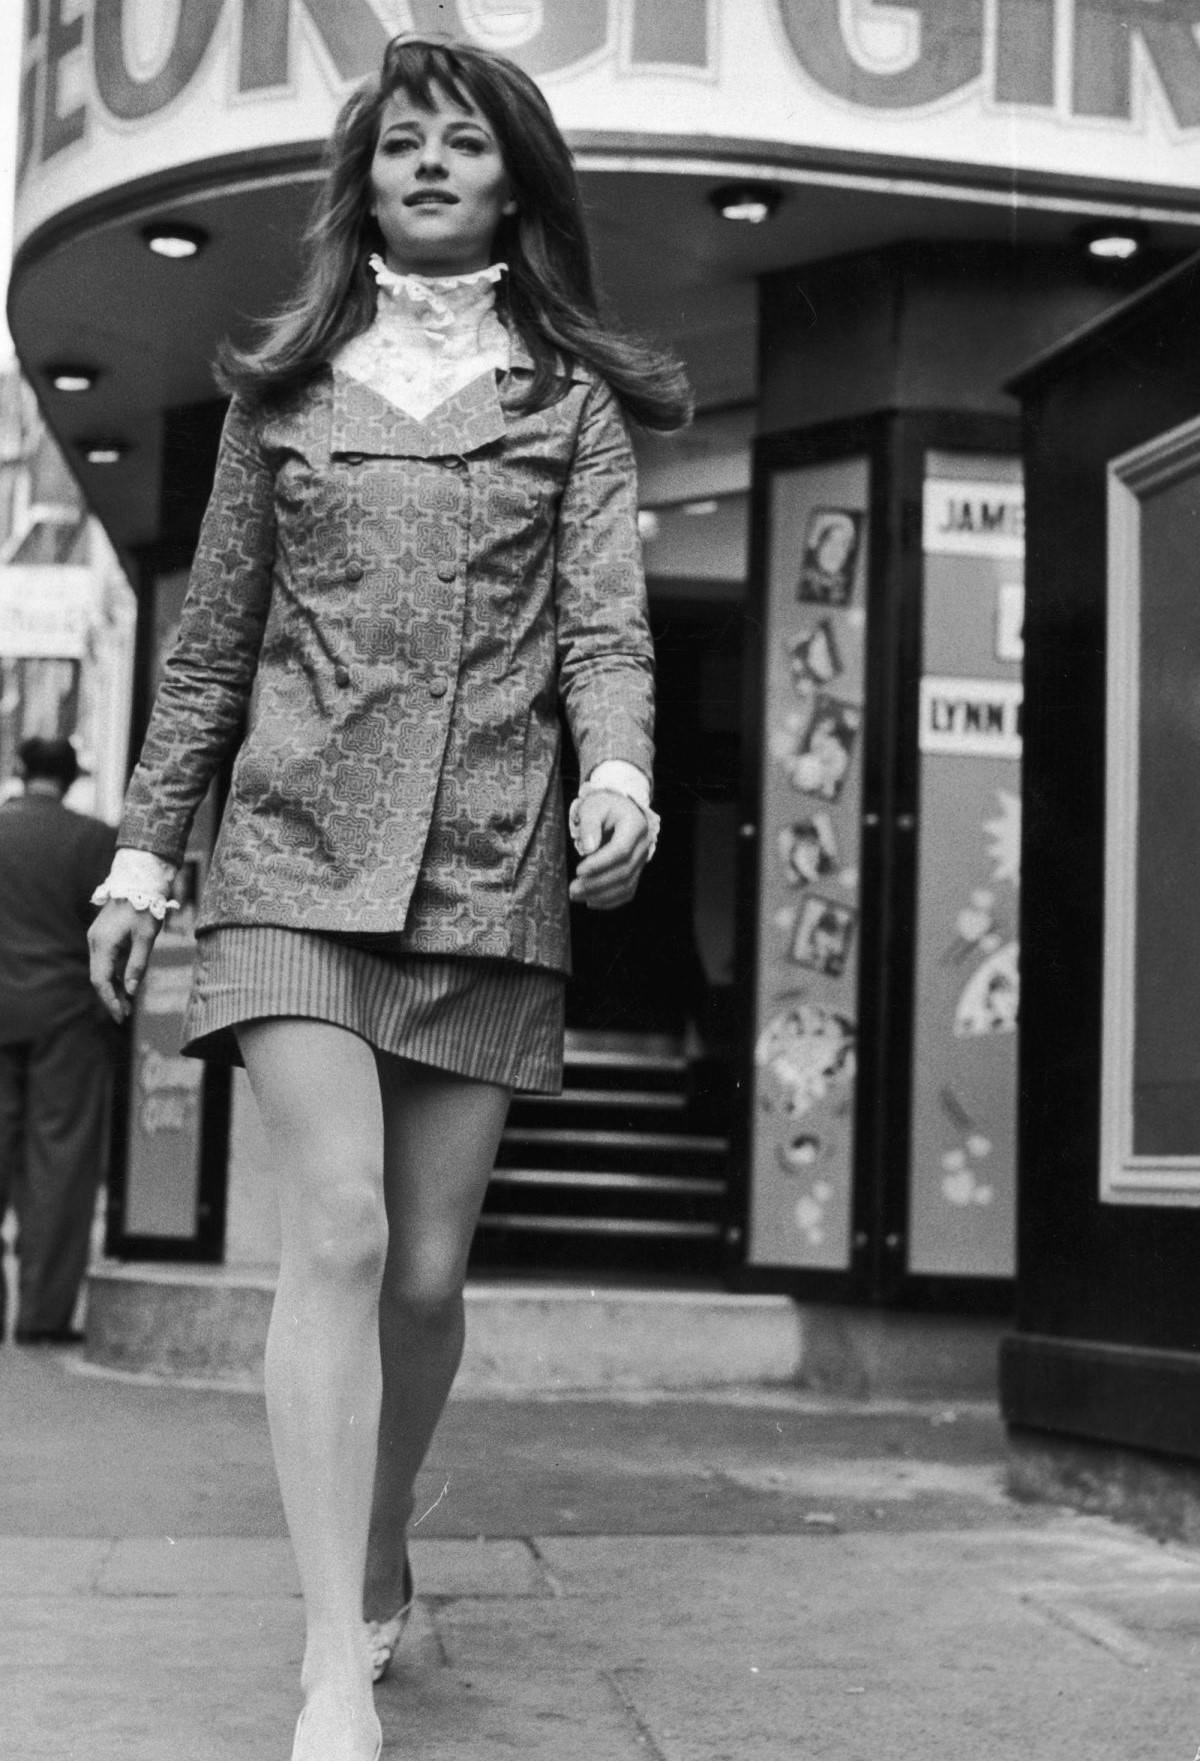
<point>549,295</point>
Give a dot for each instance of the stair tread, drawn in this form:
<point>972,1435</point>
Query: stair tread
<point>575,1137</point>
<point>560,1225</point>
<point>660,1100</point>
<point>609,1180</point>
<point>672,1062</point>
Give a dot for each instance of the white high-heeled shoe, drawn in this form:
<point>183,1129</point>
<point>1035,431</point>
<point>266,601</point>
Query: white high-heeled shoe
<point>383,1636</point>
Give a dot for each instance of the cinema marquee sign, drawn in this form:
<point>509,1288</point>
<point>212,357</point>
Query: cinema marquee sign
<point>1096,89</point>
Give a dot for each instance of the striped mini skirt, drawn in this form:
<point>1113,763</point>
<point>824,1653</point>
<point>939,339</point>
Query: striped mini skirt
<point>493,1020</point>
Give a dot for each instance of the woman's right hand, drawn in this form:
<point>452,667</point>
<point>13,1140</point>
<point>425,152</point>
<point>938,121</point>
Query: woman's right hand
<point>119,942</point>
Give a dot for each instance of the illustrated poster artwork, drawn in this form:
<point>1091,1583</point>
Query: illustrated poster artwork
<point>806,1048</point>
<point>816,746</point>
<point>808,849</point>
<point>823,935</point>
<point>829,562</point>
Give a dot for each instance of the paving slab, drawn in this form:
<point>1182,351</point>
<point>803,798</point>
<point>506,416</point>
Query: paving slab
<point>53,1567</point>
<point>191,1565</point>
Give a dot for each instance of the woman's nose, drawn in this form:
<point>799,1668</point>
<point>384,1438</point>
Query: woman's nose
<point>432,159</point>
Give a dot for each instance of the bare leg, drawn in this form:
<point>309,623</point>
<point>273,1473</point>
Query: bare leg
<point>441,1135</point>
<point>317,1088</point>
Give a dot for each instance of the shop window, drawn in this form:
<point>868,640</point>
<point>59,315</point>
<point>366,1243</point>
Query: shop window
<point>1150,1141</point>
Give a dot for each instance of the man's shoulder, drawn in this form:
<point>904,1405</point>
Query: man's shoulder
<point>92,820</point>
<point>92,833</point>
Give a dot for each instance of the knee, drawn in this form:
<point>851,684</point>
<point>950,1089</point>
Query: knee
<point>343,1236</point>
<point>429,1306</point>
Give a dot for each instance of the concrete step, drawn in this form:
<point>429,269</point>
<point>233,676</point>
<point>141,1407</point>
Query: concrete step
<point>208,1324</point>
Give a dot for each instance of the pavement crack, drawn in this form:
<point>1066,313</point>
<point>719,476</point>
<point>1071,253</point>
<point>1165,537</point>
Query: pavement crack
<point>445,1661</point>
<point>637,1724</point>
<point>1088,1623</point>
<point>543,1565</point>
<point>102,1565</point>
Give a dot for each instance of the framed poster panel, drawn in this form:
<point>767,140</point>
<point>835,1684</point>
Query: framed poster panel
<point>962,1140</point>
<point>808,892</point>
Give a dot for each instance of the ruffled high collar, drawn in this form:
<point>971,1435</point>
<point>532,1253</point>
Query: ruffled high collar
<point>438,301</point>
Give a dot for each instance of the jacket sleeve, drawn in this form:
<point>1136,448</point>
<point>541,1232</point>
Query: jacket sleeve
<point>605,654</point>
<point>207,678</point>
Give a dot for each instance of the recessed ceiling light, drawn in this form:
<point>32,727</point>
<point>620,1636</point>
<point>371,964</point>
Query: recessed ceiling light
<point>103,452</point>
<point>751,203</point>
<point>708,505</point>
<point>649,524</point>
<point>1114,241</point>
<point>72,376</point>
<point>174,239</point>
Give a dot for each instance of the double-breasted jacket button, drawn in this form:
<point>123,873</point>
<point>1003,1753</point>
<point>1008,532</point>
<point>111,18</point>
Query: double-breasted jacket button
<point>447,571</point>
<point>353,458</point>
<point>354,571</point>
<point>438,687</point>
<point>341,675</point>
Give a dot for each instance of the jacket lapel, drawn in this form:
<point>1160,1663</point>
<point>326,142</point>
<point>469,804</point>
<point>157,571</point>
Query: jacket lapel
<point>365,422</point>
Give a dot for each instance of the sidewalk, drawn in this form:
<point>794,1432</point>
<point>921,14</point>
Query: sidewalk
<point>750,1577</point>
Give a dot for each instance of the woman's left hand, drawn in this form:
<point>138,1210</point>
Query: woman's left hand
<point>613,841</point>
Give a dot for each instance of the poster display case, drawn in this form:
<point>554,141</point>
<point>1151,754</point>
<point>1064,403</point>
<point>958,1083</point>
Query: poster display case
<point>882,832</point>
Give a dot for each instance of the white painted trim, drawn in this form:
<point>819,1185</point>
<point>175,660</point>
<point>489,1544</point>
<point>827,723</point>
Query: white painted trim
<point>1126,1178</point>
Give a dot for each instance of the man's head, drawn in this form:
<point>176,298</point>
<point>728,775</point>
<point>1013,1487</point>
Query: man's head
<point>48,760</point>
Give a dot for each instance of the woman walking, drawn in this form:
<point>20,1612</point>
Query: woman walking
<point>421,538</point>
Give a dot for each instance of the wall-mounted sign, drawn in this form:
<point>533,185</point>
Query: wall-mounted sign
<point>1033,91</point>
<point>1010,621</point>
<point>973,519</point>
<point>45,610</point>
<point>971,718</point>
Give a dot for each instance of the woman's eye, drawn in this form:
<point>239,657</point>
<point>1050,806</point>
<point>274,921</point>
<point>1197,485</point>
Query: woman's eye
<point>395,144</point>
<point>470,144</point>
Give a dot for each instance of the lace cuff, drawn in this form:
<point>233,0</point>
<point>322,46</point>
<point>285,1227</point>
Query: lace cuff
<point>141,878</point>
<point>616,777</point>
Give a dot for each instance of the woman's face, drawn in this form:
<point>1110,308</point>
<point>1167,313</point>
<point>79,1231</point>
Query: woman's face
<point>438,187</point>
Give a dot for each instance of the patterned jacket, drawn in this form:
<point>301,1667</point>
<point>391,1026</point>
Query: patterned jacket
<point>391,609</point>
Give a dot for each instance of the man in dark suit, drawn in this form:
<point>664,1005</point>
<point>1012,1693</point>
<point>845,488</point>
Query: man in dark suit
<point>54,1042</point>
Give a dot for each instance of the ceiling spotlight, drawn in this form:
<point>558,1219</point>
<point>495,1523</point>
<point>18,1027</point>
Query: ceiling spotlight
<point>103,452</point>
<point>749,202</point>
<point>1114,241</point>
<point>72,376</point>
<point>649,524</point>
<point>174,239</point>
<point>706,505</point>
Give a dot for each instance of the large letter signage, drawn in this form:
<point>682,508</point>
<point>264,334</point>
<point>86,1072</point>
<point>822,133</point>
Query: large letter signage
<point>1107,92</point>
<point>948,51</point>
<point>1106,32</point>
<point>552,35</point>
<point>120,90</point>
<point>352,34</point>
